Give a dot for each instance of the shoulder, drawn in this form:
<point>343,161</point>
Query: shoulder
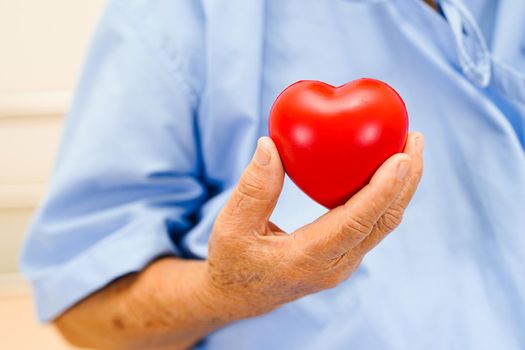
<point>172,29</point>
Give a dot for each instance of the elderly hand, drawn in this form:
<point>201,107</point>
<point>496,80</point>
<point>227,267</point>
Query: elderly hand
<point>254,267</point>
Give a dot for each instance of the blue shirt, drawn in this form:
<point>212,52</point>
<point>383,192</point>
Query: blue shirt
<point>173,97</point>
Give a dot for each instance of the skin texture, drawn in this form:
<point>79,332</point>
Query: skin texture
<point>253,267</point>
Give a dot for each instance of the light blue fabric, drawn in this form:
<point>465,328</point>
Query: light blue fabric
<point>173,97</point>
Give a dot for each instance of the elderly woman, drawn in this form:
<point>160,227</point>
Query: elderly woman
<point>164,229</point>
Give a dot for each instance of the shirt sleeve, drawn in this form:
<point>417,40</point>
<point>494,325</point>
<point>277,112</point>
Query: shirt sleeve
<point>126,182</point>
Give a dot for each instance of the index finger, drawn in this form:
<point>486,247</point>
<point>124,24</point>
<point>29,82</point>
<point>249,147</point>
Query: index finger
<point>344,227</point>
<point>392,216</point>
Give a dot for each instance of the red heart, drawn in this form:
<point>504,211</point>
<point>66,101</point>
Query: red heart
<point>332,139</point>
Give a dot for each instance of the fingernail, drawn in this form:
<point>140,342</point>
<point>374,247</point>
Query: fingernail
<point>402,169</point>
<point>420,144</point>
<point>262,154</point>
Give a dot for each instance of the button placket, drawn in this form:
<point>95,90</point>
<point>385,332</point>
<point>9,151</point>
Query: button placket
<point>473,54</point>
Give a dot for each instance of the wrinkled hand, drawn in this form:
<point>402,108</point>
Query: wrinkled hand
<point>255,267</point>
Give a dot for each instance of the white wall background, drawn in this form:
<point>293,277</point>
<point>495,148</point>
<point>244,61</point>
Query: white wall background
<point>42,44</point>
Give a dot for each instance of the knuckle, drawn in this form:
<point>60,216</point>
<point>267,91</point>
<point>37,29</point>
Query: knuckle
<point>396,211</point>
<point>251,187</point>
<point>357,224</point>
<point>391,219</point>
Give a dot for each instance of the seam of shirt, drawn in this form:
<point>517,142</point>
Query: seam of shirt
<point>162,56</point>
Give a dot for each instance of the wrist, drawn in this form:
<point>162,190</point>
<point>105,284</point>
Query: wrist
<point>220,306</point>
<point>182,295</point>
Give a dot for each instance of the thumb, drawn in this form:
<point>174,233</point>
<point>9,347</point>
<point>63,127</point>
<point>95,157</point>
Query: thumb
<point>253,200</point>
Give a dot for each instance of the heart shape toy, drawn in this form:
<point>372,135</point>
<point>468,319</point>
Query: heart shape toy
<point>332,139</point>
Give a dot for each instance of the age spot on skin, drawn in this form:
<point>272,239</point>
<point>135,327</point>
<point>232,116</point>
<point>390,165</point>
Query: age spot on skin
<point>118,324</point>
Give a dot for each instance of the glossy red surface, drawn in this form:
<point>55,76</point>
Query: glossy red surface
<point>332,139</point>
